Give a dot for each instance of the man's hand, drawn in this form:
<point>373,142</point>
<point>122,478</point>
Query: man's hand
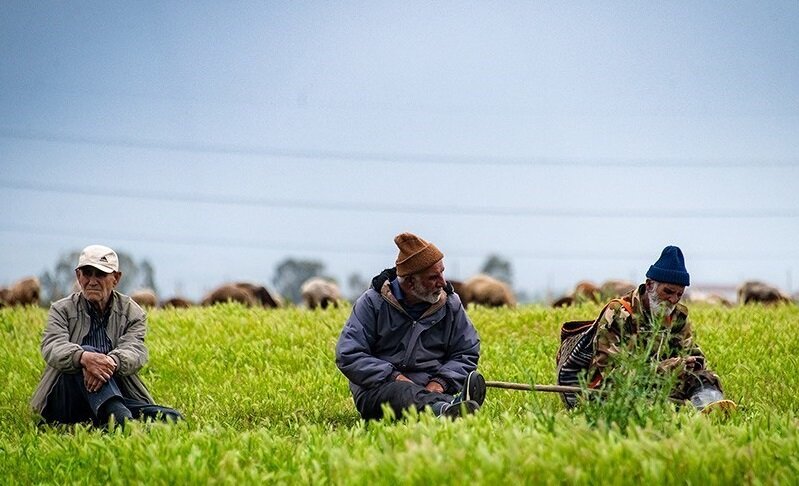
<point>401,377</point>
<point>694,363</point>
<point>98,365</point>
<point>687,363</point>
<point>90,382</point>
<point>434,387</point>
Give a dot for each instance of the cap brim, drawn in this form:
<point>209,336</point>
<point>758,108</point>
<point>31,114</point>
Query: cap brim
<point>103,268</point>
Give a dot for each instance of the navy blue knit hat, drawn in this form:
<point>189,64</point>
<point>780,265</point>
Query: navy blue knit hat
<point>670,268</point>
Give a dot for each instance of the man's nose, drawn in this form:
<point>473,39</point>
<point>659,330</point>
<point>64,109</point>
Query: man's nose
<point>673,299</point>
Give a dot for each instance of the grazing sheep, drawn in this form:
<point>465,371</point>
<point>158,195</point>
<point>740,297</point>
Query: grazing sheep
<point>230,292</point>
<point>612,289</point>
<point>564,301</point>
<point>177,302</point>
<point>586,291</point>
<point>145,297</point>
<point>318,292</point>
<point>22,292</point>
<point>753,292</point>
<point>261,294</point>
<point>457,287</point>
<point>485,290</point>
<point>711,298</point>
<point>243,292</point>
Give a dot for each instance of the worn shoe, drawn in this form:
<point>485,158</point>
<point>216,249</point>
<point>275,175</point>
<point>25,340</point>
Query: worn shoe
<point>459,408</point>
<point>474,388</point>
<point>469,399</point>
<point>720,408</point>
<point>705,395</point>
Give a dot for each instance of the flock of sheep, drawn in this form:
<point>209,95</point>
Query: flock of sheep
<point>749,292</point>
<point>316,293</point>
<point>479,290</point>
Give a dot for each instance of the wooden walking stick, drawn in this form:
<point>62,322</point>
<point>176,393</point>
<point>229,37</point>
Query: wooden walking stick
<point>540,388</point>
<point>725,407</point>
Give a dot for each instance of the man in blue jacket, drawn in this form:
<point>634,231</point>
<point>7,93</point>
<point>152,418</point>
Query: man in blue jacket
<point>409,343</point>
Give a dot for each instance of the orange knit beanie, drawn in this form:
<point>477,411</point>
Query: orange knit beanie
<point>415,254</point>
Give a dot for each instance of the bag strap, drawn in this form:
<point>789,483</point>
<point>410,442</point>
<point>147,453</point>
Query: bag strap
<point>624,304</point>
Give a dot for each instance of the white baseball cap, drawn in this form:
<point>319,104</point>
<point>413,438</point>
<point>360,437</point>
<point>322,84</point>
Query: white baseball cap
<point>100,257</point>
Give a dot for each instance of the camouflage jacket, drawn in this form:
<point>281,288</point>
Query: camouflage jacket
<point>627,323</point>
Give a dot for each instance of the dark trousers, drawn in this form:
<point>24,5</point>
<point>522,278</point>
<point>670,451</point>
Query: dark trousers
<point>69,402</point>
<point>400,396</point>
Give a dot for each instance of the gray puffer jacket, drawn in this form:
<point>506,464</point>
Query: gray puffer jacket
<point>380,340</point>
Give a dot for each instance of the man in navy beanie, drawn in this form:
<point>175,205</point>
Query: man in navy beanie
<point>588,348</point>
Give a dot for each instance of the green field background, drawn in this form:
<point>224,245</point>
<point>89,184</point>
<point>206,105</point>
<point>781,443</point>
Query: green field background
<point>265,404</point>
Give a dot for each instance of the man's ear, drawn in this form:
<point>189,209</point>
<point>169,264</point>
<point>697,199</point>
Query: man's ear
<point>650,284</point>
<point>117,277</point>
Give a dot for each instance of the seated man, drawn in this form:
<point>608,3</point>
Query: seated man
<point>94,347</point>
<point>409,342</point>
<point>588,348</point>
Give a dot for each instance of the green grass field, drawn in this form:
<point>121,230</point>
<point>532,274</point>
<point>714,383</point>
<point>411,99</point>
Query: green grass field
<point>265,403</point>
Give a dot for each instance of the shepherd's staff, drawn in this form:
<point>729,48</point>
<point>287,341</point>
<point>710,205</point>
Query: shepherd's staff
<point>727,406</point>
<point>540,388</point>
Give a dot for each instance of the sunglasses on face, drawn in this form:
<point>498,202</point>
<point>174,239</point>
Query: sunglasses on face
<point>89,272</point>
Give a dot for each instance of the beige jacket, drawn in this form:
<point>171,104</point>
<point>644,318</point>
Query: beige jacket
<point>68,323</point>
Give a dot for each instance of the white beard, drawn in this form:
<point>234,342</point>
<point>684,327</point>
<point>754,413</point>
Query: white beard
<point>430,298</point>
<point>659,308</point>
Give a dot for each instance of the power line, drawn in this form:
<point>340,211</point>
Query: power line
<point>387,157</point>
<point>378,207</point>
<point>316,247</point>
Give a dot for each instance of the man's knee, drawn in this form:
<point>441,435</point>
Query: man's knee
<point>66,403</point>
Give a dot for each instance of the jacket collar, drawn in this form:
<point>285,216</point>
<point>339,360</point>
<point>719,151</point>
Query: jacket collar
<point>382,285</point>
<point>114,304</point>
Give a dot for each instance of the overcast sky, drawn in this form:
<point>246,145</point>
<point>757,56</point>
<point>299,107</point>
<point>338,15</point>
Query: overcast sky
<point>575,139</point>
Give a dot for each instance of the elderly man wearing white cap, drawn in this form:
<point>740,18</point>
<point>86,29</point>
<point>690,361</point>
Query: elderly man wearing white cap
<point>409,343</point>
<point>94,347</point>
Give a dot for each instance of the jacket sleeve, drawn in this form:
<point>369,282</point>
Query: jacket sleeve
<point>686,341</point>
<point>464,349</point>
<point>130,352</point>
<point>682,345</point>
<point>57,350</point>
<point>354,348</point>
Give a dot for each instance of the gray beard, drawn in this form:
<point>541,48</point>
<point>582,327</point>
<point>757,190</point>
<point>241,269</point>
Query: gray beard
<point>657,307</point>
<point>430,298</point>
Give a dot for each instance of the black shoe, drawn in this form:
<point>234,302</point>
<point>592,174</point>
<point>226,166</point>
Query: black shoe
<point>474,388</point>
<point>459,408</point>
